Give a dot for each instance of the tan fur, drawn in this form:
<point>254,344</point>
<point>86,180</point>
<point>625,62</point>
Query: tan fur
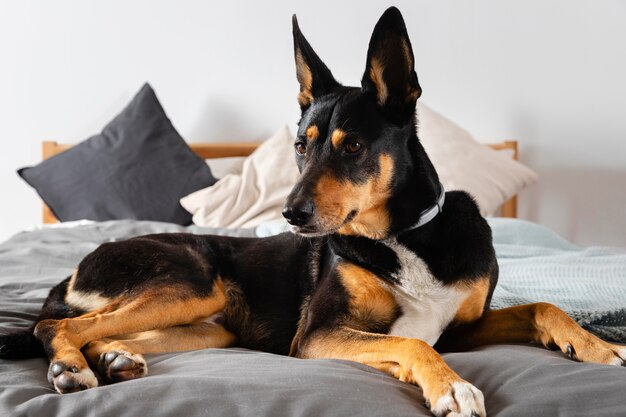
<point>534,323</point>
<point>412,94</point>
<point>312,133</point>
<point>305,78</point>
<point>337,138</point>
<point>200,335</point>
<point>203,334</point>
<point>370,199</point>
<point>409,360</point>
<point>370,301</point>
<point>158,308</point>
<point>70,285</point>
<point>335,199</point>
<point>250,328</point>
<point>295,342</point>
<point>376,75</point>
<point>406,51</point>
<point>87,301</point>
<point>472,307</point>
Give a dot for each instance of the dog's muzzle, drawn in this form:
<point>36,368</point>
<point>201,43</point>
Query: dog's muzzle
<point>298,213</point>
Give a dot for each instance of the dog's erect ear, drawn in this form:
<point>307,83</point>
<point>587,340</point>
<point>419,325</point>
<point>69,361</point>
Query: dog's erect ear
<point>390,71</point>
<point>313,75</point>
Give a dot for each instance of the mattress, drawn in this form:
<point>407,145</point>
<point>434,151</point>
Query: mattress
<point>517,380</point>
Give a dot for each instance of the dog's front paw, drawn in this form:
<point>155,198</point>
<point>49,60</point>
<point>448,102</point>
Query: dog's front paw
<point>70,378</point>
<point>120,365</point>
<point>460,399</point>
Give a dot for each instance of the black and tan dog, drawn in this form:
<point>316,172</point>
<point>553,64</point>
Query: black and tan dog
<point>379,270</point>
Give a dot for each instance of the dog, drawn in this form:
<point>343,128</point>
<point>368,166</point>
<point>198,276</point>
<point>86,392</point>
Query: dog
<point>382,267</point>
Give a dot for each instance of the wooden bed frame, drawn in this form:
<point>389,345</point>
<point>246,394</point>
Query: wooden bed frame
<point>229,149</point>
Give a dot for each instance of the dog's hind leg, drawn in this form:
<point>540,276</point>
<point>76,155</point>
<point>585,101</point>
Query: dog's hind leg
<point>120,358</point>
<point>157,308</point>
<point>541,323</point>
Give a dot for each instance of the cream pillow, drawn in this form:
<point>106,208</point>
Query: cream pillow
<point>254,196</point>
<point>490,176</point>
<point>220,167</point>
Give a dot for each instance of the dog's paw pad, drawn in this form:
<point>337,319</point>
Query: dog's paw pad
<point>70,378</point>
<point>119,365</point>
<point>462,400</point>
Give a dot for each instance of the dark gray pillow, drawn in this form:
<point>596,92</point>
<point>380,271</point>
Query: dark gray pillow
<point>137,168</point>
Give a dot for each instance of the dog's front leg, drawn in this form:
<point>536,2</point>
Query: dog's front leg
<point>409,360</point>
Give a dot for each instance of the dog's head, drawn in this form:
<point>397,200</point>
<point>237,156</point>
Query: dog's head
<point>356,147</point>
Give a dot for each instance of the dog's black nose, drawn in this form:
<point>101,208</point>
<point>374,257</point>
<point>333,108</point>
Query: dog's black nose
<point>298,214</point>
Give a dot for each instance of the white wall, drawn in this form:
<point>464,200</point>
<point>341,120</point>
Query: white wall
<point>548,73</point>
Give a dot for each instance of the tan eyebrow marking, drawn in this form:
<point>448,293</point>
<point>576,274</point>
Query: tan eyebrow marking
<point>337,137</point>
<point>312,133</point>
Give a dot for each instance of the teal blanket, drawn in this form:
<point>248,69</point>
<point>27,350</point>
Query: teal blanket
<point>536,264</point>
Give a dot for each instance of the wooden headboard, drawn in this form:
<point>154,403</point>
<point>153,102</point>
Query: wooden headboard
<point>222,150</point>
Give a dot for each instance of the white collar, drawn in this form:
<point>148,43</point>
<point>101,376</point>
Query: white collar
<point>431,212</point>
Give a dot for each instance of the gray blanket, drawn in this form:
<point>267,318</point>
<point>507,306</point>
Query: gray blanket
<point>516,380</point>
<point>536,264</point>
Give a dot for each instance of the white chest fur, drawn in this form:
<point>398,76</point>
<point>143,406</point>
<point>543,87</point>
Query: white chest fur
<point>427,305</point>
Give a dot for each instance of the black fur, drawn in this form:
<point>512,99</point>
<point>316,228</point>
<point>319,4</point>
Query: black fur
<point>22,344</point>
<point>367,253</point>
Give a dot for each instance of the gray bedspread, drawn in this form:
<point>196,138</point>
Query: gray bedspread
<point>516,380</point>
<point>536,264</point>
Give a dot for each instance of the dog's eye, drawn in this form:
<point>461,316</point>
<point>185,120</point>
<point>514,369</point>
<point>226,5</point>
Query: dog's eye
<point>300,148</point>
<point>353,147</point>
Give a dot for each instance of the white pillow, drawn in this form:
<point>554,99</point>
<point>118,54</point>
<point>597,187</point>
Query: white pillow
<point>256,195</point>
<point>462,163</point>
<point>220,167</point>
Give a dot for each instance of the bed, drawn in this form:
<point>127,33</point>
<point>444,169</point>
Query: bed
<point>517,380</point>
